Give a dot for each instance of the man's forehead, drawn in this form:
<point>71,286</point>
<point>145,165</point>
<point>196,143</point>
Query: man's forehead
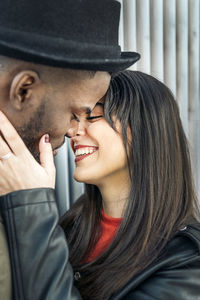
<point>82,109</point>
<point>87,109</point>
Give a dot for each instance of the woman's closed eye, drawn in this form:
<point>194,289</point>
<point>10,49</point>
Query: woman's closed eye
<point>94,118</point>
<point>97,113</point>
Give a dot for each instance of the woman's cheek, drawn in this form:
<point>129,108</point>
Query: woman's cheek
<point>98,127</point>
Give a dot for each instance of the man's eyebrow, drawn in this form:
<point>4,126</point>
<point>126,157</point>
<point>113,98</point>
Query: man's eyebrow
<point>88,109</point>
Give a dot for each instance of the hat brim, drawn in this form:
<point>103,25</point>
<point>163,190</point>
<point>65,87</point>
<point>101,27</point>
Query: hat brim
<point>56,52</point>
<point>110,65</point>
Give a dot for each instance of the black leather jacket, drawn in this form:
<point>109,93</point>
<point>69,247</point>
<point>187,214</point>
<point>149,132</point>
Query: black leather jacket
<point>39,256</point>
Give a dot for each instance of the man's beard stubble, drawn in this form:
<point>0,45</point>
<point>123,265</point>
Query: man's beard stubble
<point>32,131</point>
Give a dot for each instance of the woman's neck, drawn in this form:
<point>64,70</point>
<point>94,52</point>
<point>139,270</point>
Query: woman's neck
<point>115,196</point>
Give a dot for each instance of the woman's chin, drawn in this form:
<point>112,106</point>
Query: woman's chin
<point>84,179</point>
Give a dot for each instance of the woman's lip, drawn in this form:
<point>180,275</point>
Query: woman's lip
<point>80,157</point>
<point>74,148</point>
<point>84,146</point>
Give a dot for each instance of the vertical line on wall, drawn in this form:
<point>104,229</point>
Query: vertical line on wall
<point>169,19</point>
<point>62,179</point>
<point>143,35</point>
<point>182,60</point>
<point>130,40</point>
<point>194,81</point>
<point>121,27</point>
<point>156,33</point>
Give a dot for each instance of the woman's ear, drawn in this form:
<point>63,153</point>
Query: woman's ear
<point>22,88</point>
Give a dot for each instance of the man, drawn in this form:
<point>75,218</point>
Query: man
<point>45,46</point>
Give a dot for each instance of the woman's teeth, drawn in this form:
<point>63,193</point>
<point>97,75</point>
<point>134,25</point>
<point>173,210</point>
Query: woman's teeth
<point>84,151</point>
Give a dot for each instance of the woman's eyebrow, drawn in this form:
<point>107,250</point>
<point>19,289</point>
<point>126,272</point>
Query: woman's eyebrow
<point>99,104</point>
<point>88,110</point>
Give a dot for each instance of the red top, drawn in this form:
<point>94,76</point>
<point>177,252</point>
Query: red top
<point>109,227</point>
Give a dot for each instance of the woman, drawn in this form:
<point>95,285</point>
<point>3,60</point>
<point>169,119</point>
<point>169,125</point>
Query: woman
<point>138,174</point>
<point>134,233</point>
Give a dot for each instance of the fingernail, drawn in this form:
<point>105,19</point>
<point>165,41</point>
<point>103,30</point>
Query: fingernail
<point>46,138</point>
<point>55,152</point>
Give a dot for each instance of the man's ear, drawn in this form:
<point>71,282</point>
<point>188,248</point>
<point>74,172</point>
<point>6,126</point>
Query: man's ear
<point>22,88</point>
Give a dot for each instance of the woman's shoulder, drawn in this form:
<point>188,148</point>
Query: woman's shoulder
<point>175,275</point>
<point>192,233</point>
<point>185,243</point>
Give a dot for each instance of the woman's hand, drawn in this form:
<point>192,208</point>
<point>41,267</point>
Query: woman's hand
<point>18,169</point>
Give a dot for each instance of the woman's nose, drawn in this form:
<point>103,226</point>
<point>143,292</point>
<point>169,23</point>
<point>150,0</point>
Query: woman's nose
<point>73,128</point>
<point>81,128</point>
<point>77,128</point>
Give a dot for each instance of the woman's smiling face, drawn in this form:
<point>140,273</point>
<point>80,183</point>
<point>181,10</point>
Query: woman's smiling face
<point>99,151</point>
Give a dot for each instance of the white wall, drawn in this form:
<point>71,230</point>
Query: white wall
<point>167,35</point>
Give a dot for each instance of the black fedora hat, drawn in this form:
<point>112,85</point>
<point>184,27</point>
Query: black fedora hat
<point>78,34</point>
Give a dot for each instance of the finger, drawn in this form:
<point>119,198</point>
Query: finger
<point>46,155</point>
<point>11,136</point>
<point>5,151</point>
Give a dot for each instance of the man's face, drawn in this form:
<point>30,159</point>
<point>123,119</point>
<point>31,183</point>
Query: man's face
<point>54,114</point>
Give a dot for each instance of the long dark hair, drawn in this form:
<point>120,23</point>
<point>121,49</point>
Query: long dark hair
<point>162,197</point>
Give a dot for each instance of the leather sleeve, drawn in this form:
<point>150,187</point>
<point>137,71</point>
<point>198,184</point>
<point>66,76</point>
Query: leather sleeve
<point>5,272</point>
<point>38,248</point>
